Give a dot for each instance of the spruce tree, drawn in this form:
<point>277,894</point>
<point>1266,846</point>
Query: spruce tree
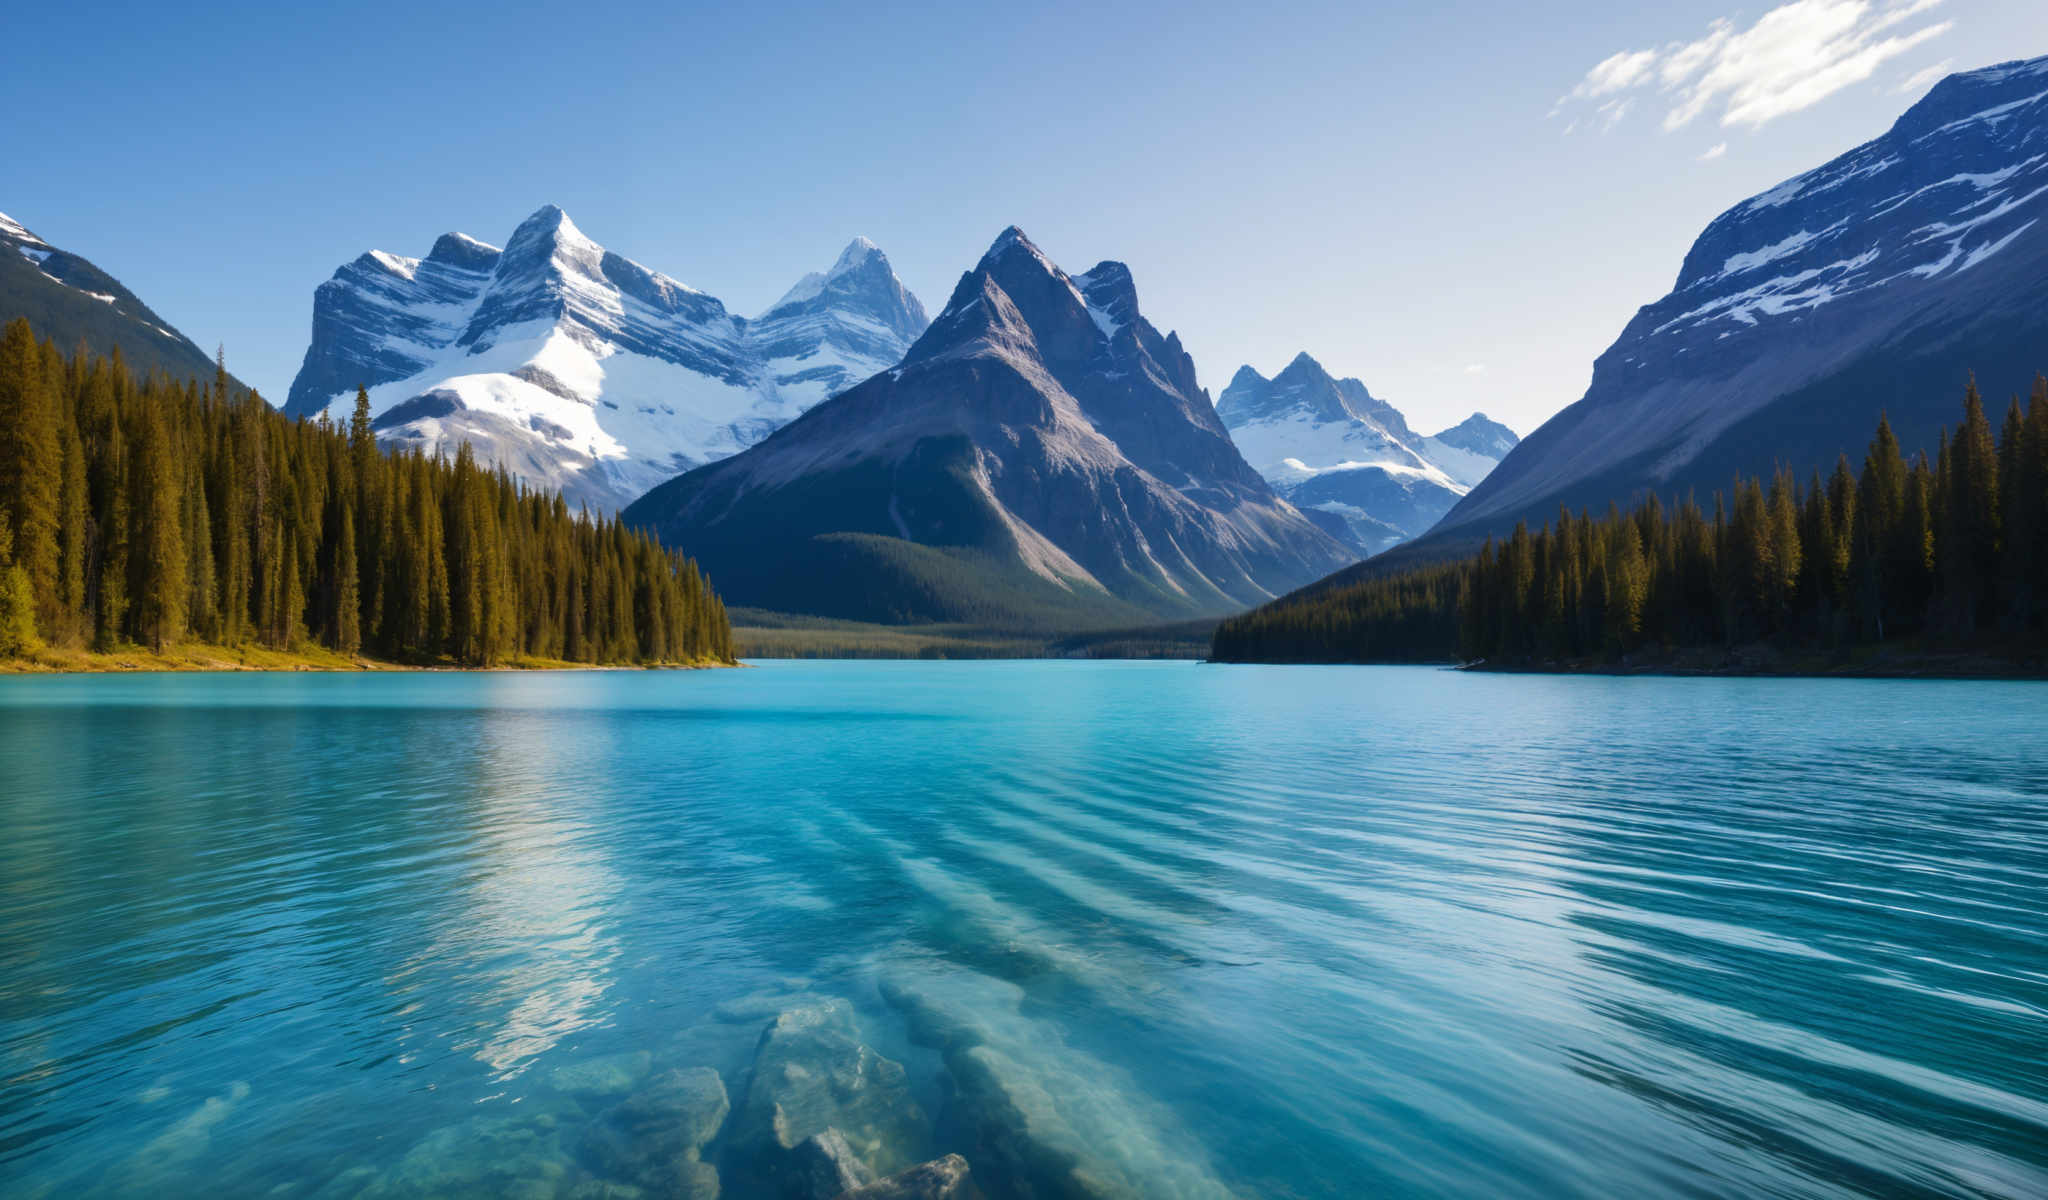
<point>158,561</point>
<point>348,608</point>
<point>1970,524</point>
<point>17,600</point>
<point>31,469</point>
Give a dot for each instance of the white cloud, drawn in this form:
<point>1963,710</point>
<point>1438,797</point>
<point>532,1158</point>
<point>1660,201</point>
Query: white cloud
<point>1926,77</point>
<point>1715,152</point>
<point>1793,57</point>
<point>1475,368</point>
<point>1616,73</point>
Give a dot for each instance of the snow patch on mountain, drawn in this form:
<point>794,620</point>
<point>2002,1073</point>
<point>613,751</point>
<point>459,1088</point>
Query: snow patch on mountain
<point>1915,228</point>
<point>1876,280</point>
<point>578,368</point>
<point>15,230</point>
<point>1305,431</point>
<point>1040,430</point>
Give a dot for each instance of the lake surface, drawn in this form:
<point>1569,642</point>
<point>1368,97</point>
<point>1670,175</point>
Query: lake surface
<point>1103,928</point>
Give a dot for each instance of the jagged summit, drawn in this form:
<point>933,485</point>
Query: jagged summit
<point>1010,238</point>
<point>1040,448</point>
<point>463,250</point>
<point>858,254</point>
<point>1337,451</point>
<point>1481,435</point>
<point>577,367</point>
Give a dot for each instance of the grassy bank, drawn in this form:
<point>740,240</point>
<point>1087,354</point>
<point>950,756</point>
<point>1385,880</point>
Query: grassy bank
<point>199,656</point>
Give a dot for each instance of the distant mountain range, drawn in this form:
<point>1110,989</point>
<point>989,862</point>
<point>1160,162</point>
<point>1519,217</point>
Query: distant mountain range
<point>579,369</point>
<point>1878,281</point>
<point>66,298</point>
<point>1041,456</point>
<point>1348,459</point>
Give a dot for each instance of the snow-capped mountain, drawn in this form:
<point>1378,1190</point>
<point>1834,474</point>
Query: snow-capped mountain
<point>1878,281</point>
<point>1349,458</point>
<point>67,298</point>
<point>581,370</point>
<point>1041,456</point>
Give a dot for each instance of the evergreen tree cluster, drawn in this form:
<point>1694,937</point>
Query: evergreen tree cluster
<point>151,511</point>
<point>1952,551</point>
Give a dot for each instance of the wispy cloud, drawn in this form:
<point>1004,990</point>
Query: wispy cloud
<point>1793,57</point>
<point>1926,77</point>
<point>1714,152</point>
<point>1475,368</point>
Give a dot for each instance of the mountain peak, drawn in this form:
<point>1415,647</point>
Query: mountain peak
<point>1246,377</point>
<point>1040,433</point>
<point>462,250</point>
<point>1873,280</point>
<point>1011,240</point>
<point>578,368</point>
<point>1967,94</point>
<point>548,224</point>
<point>11,228</point>
<point>1301,364</point>
<point>860,281</point>
<point>857,251</point>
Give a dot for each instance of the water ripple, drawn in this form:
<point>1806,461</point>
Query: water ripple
<point>1252,931</point>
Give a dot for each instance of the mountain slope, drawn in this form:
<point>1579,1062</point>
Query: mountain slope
<point>1041,457</point>
<point>68,299</point>
<point>579,369</point>
<point>1340,453</point>
<point>1878,281</point>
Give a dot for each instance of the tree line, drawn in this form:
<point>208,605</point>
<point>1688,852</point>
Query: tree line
<point>151,511</point>
<point>1948,551</point>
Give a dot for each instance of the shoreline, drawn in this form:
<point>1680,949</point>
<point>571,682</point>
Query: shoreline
<point>204,658</point>
<point>1742,663</point>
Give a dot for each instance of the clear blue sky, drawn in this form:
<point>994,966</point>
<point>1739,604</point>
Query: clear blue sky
<point>1437,198</point>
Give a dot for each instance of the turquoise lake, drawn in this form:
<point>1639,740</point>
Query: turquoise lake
<point>1116,929</point>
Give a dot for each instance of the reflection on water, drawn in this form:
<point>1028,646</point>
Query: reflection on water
<point>1100,929</point>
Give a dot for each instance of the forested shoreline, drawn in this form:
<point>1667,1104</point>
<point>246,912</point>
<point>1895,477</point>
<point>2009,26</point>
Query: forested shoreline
<point>1945,555</point>
<point>153,512</point>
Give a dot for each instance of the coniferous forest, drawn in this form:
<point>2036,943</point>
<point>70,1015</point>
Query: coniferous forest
<point>152,512</point>
<point>1947,552</point>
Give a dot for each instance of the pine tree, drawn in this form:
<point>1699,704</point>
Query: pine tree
<point>1627,584</point>
<point>31,469</point>
<point>17,600</point>
<point>158,560</point>
<point>73,533</point>
<point>348,608</point>
<point>202,602</point>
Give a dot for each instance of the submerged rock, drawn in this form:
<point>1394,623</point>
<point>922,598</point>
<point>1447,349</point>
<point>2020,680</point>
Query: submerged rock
<point>484,1157</point>
<point>823,1166</point>
<point>606,1189</point>
<point>813,1074</point>
<point>603,1077</point>
<point>940,1179</point>
<point>655,1137</point>
<point>768,1003</point>
<point>1042,1118</point>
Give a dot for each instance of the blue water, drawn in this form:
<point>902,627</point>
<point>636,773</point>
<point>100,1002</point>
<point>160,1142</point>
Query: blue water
<point>1129,929</point>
